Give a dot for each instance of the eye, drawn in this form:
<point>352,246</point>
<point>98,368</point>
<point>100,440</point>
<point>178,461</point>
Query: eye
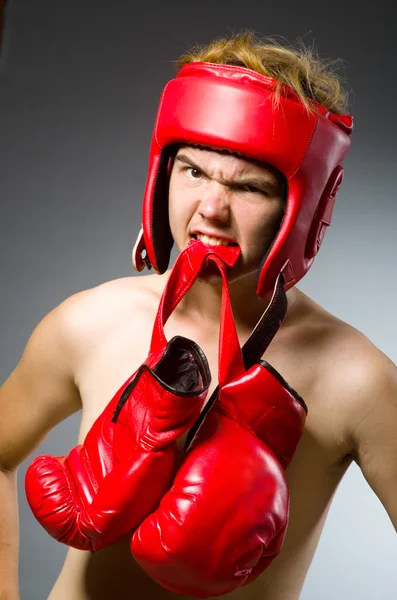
<point>193,172</point>
<point>251,189</point>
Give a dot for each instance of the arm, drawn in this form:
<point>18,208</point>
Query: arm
<point>375,432</point>
<point>8,536</point>
<point>38,394</point>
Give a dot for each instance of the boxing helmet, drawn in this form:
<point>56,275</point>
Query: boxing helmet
<point>227,107</point>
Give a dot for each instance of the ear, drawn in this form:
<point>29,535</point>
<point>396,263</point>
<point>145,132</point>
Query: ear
<point>323,215</point>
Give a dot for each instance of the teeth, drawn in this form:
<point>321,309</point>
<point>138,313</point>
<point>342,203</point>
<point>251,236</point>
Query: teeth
<point>211,241</point>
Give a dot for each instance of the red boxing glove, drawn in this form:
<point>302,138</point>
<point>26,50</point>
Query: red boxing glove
<point>81,499</point>
<point>105,487</point>
<point>225,517</point>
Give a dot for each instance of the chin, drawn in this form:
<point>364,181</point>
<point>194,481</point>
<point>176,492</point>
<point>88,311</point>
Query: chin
<point>211,275</point>
<point>238,275</point>
<point>244,275</point>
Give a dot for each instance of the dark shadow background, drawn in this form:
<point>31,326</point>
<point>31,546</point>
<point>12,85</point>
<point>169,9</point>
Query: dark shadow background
<point>79,86</point>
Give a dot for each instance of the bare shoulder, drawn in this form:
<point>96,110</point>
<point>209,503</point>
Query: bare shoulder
<point>344,353</point>
<point>44,387</point>
<point>116,294</point>
<point>359,383</point>
<point>92,311</point>
<point>352,373</point>
<point>103,319</point>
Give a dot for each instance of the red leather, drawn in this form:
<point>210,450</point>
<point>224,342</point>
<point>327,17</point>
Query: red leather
<point>105,487</point>
<point>234,108</point>
<point>225,517</point>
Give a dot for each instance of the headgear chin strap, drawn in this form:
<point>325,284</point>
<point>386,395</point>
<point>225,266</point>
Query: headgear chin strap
<point>234,108</point>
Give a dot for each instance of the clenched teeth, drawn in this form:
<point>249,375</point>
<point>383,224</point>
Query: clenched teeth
<point>211,241</point>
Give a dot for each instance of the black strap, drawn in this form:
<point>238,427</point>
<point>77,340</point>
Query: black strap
<point>267,326</point>
<point>255,346</point>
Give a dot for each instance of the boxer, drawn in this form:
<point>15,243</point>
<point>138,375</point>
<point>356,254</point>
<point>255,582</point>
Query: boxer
<point>272,197</point>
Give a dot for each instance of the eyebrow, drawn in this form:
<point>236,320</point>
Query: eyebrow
<point>251,180</point>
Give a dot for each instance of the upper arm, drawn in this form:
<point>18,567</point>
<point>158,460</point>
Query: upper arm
<point>375,432</point>
<point>41,391</point>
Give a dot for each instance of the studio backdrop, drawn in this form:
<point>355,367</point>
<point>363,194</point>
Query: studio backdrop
<point>80,82</point>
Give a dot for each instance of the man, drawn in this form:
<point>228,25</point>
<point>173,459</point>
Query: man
<point>81,352</point>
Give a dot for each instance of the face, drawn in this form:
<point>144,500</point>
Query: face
<point>221,198</point>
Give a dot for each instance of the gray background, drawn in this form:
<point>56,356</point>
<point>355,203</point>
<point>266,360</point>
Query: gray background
<point>80,82</point>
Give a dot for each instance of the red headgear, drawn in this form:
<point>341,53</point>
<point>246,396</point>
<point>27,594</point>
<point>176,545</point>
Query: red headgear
<point>234,108</point>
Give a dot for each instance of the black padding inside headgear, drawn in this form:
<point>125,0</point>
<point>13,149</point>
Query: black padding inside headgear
<point>161,233</point>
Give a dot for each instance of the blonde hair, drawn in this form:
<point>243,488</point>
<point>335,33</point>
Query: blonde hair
<point>298,67</point>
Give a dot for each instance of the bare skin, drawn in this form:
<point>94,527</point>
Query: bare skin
<point>323,345</point>
<point>87,347</point>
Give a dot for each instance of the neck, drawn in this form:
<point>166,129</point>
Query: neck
<point>203,302</point>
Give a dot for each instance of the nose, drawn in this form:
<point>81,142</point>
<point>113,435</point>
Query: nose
<point>214,202</point>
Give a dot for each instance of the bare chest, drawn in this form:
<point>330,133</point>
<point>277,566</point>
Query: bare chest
<point>113,360</point>
<point>313,474</point>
